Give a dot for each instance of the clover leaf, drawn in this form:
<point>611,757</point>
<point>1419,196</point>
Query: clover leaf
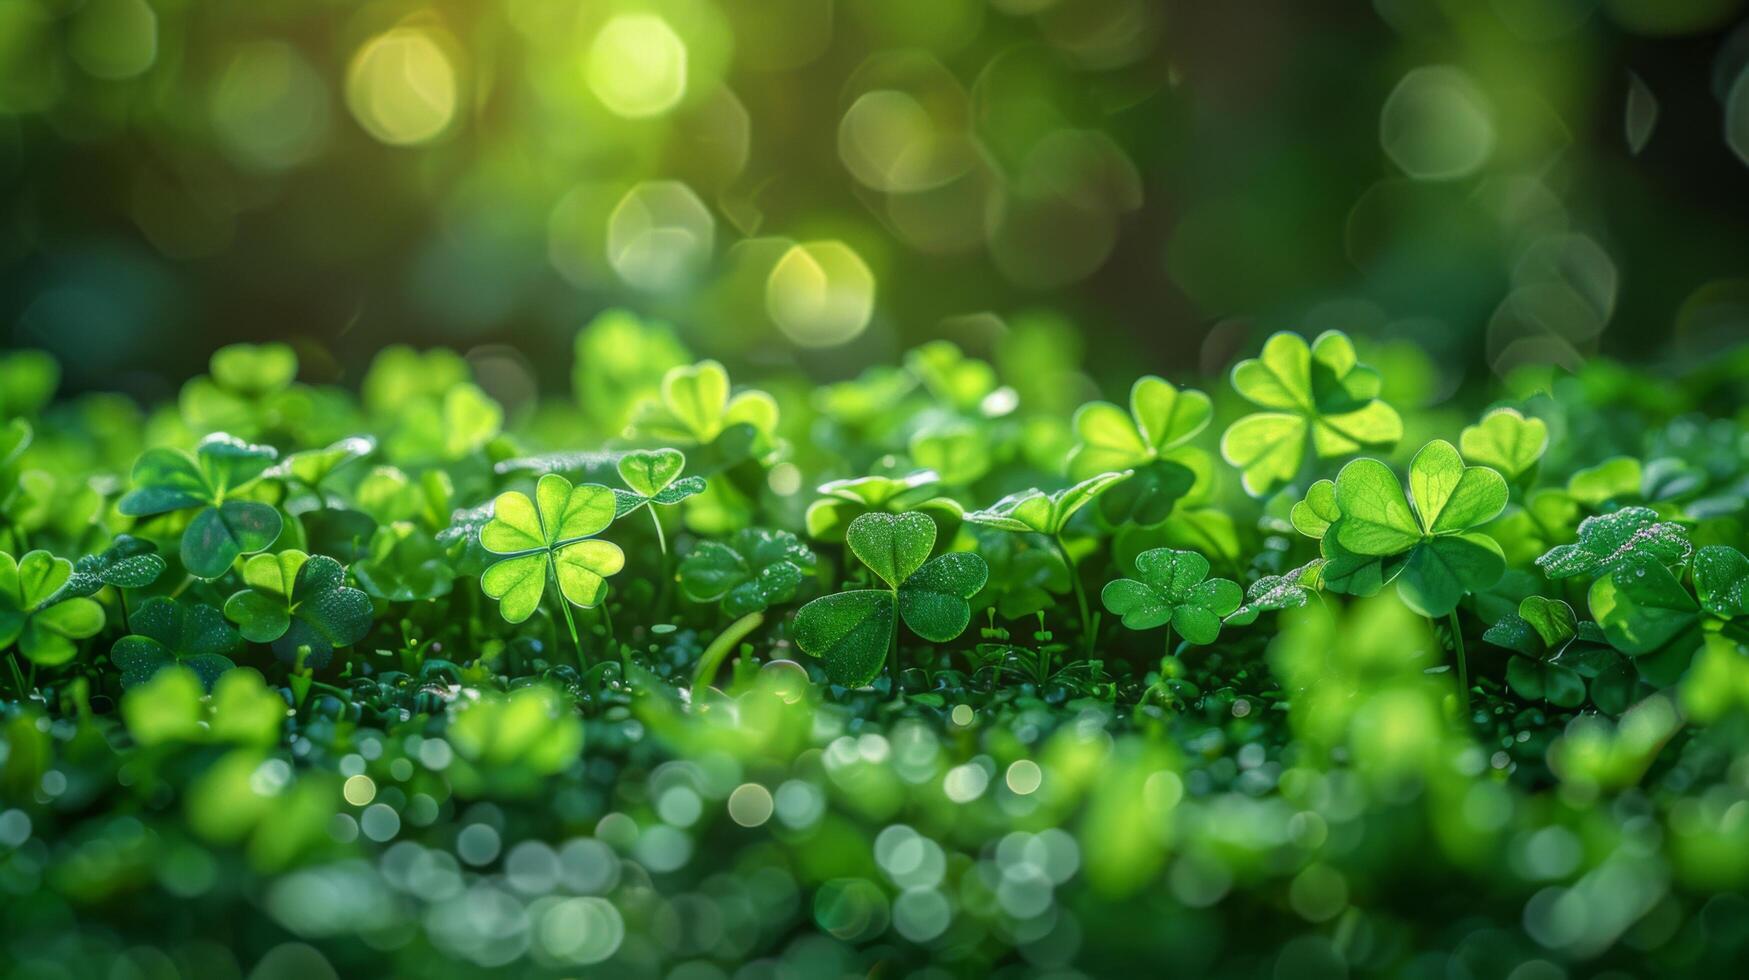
<point>1273,593</point>
<point>1321,394</point>
<point>31,616</point>
<point>1607,541</point>
<point>1152,439</point>
<point>222,528</point>
<point>957,451</point>
<point>964,384</point>
<point>853,631</point>
<point>128,563</point>
<point>301,605</point>
<point>750,572</point>
<point>1721,581</point>
<point>168,632</point>
<point>1173,589</point>
<point>312,466</point>
<point>695,407</point>
<point>1507,441</point>
<point>843,501</point>
<point>1443,560</point>
<point>1616,478</point>
<point>1024,579</point>
<point>405,563</point>
<point>550,537</point>
<point>654,478</point>
<point>237,395</point>
<point>1641,606</point>
<point>1339,569</point>
<point>1044,513</point>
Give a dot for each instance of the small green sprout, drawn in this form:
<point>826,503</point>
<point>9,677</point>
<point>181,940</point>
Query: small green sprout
<point>1321,393</point>
<point>654,478</point>
<point>855,632</point>
<point>301,605</point>
<point>550,538</point>
<point>166,632</point>
<point>1174,591</point>
<point>208,482</point>
<point>43,626</point>
<point>750,572</point>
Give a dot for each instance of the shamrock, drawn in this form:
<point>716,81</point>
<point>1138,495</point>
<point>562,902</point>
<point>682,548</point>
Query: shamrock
<point>1607,541</point>
<point>128,563</point>
<point>31,616</point>
<point>167,632</point>
<point>238,395</point>
<point>853,631</point>
<point>1174,591</point>
<point>842,501</point>
<point>171,707</point>
<point>301,604</point>
<point>1339,569</point>
<point>1152,438</point>
<point>1037,512</point>
<point>1507,441</point>
<point>654,478</point>
<point>404,564</point>
<point>753,570</point>
<point>550,537</point>
<point>1321,392</point>
<point>1616,478</point>
<point>620,361</point>
<point>1443,560</point>
<point>312,466</point>
<point>695,407</point>
<point>964,384</point>
<point>207,481</point>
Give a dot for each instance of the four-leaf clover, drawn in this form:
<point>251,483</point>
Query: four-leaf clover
<point>1174,590</point>
<point>207,481</point>
<point>1431,526</point>
<point>301,604</point>
<point>853,631</point>
<point>551,536</point>
<point>1320,393</point>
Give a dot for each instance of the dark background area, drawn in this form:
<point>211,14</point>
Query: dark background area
<point>1175,179</point>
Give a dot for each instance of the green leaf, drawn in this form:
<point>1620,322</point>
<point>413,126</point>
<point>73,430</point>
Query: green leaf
<point>166,632</point>
<point>583,567</point>
<point>165,480</point>
<point>254,369</point>
<point>1174,586</point>
<point>1321,390</point>
<point>850,632</point>
<point>1352,573</point>
<point>518,584</point>
<point>1506,441</point>
<point>1161,418</point>
<point>1376,516</point>
<point>1640,606</point>
<point>753,570</point>
<point>50,631</point>
<point>892,546</point>
<point>957,451</point>
<point>933,601</point>
<point>1616,478</point>
<point>1442,570</point>
<point>1607,541</point>
<point>128,563</point>
<point>306,623</point>
<point>961,382</point>
<point>550,535</point>
<point>229,464</point>
<point>312,466</point>
<point>1535,680</point>
<point>36,578</point>
<point>1037,512</point>
<point>1449,496</point>
<point>404,564</point>
<point>166,709</point>
<point>1271,593</point>
<point>1553,620</point>
<point>219,535</point>
<point>1313,515</point>
<point>1721,580</point>
<point>470,420</point>
<point>649,472</point>
<point>695,407</point>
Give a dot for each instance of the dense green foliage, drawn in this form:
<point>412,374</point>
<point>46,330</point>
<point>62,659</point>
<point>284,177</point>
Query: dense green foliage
<point>761,687</point>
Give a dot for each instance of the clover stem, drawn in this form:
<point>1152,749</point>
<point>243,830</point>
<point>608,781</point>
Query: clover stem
<point>18,677</point>
<point>661,541</point>
<point>718,651</point>
<point>121,596</point>
<point>571,624</point>
<point>1080,594</point>
<point>893,650</point>
<point>1463,666</point>
<point>1168,638</point>
<point>187,580</point>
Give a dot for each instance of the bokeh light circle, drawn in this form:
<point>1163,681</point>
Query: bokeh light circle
<point>820,294</point>
<point>402,87</point>
<point>1437,124</point>
<point>637,66</point>
<point>660,236</point>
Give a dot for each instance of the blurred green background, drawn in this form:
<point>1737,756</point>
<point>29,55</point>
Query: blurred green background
<point>823,182</point>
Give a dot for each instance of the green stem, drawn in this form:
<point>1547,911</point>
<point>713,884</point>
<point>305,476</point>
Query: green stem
<point>1463,665</point>
<point>1080,595</point>
<point>18,678</point>
<point>718,651</point>
<point>187,580</point>
<point>893,649</point>
<point>661,541</point>
<point>565,604</point>
<point>121,596</point>
<point>1168,639</point>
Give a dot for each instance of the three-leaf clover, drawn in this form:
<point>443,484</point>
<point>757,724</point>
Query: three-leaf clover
<point>1431,527</point>
<point>1642,606</point>
<point>853,631</point>
<point>1507,441</point>
<point>751,571</point>
<point>167,632</point>
<point>300,604</point>
<point>1174,590</point>
<point>1321,393</point>
<point>654,478</point>
<point>42,625</point>
<point>237,396</point>
<point>312,466</point>
<point>550,537</point>
<point>696,406</point>
<point>1558,653</point>
<point>1607,541</point>
<point>1153,439</point>
<point>207,481</point>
